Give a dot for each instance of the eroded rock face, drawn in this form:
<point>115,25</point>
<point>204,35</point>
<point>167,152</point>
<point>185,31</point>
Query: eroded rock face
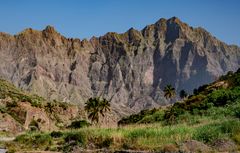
<point>129,69</point>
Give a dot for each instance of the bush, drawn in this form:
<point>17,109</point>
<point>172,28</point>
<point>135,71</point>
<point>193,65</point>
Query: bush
<point>230,127</point>
<point>207,133</point>
<point>73,139</point>
<point>42,139</point>
<point>176,110</point>
<point>38,141</point>
<point>56,134</point>
<point>236,109</point>
<point>135,118</point>
<point>76,138</point>
<point>211,132</point>
<point>223,96</point>
<point>237,113</point>
<point>36,103</point>
<point>156,117</point>
<point>3,109</point>
<point>103,141</point>
<point>12,104</point>
<point>236,138</point>
<point>79,124</point>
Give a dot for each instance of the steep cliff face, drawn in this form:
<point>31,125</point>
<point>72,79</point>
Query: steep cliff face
<point>130,69</point>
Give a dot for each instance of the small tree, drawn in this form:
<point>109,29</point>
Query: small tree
<point>183,94</point>
<point>96,107</point>
<point>195,91</point>
<point>169,92</point>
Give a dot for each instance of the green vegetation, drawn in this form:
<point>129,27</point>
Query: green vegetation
<point>143,137</point>
<point>169,92</point>
<point>211,132</point>
<point>96,107</point>
<point>8,90</point>
<point>145,116</point>
<point>36,141</point>
<point>56,134</point>
<point>79,124</point>
<point>183,94</point>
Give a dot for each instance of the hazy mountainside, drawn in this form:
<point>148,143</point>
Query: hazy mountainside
<point>129,69</point>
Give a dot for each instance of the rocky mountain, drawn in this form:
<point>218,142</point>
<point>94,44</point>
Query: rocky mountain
<point>129,69</point>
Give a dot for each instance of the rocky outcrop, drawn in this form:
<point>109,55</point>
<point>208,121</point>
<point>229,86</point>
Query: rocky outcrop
<point>129,69</point>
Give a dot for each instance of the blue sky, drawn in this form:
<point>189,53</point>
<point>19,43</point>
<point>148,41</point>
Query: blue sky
<point>87,18</point>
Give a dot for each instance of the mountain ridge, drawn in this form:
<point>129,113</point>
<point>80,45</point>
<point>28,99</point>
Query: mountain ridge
<point>174,19</point>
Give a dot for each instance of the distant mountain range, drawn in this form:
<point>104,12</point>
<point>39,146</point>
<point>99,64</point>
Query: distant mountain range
<point>129,69</point>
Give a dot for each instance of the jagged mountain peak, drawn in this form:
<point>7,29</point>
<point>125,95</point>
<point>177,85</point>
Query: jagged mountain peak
<point>50,30</point>
<point>170,20</point>
<point>47,32</point>
<point>28,31</point>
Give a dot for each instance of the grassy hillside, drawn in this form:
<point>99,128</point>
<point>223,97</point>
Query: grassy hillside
<point>207,121</point>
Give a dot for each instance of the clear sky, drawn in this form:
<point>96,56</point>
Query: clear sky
<point>87,18</point>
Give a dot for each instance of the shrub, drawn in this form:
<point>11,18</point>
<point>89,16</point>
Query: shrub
<point>176,110</point>
<point>202,88</point>
<point>236,109</point>
<point>103,141</point>
<point>156,117</point>
<point>12,104</point>
<point>76,138</point>
<point>72,139</point>
<point>56,134</point>
<point>79,124</point>
<point>223,96</point>
<point>36,103</point>
<point>237,113</point>
<point>42,139</point>
<point>207,133</point>
<point>37,141</point>
<point>64,106</point>
<point>135,118</point>
<point>3,109</point>
<point>106,142</point>
<point>236,138</point>
<point>231,127</point>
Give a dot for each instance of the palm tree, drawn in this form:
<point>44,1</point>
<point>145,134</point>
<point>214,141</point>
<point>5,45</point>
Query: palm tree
<point>96,107</point>
<point>104,106</point>
<point>91,106</point>
<point>169,92</point>
<point>183,94</point>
